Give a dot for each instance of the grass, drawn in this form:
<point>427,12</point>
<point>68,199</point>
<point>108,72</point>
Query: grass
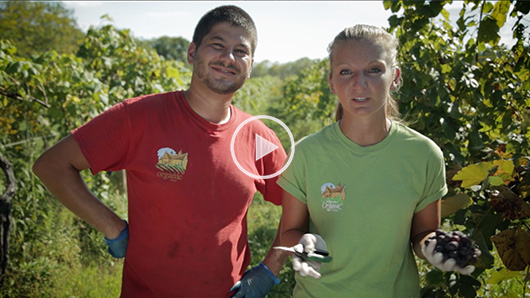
<point>55,274</point>
<point>89,272</point>
<point>263,218</point>
<point>96,280</point>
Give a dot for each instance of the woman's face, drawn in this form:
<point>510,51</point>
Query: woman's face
<point>361,76</point>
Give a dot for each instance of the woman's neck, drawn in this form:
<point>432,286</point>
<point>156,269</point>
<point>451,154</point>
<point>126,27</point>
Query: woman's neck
<point>365,132</point>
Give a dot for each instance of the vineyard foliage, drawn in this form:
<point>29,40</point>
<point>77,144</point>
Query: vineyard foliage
<point>29,24</point>
<point>460,87</point>
<point>471,95</point>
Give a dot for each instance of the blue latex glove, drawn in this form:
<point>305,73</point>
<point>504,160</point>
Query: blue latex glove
<point>255,283</point>
<point>117,247</point>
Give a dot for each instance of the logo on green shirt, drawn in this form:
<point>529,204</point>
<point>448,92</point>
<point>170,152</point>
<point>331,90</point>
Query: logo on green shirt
<point>332,196</point>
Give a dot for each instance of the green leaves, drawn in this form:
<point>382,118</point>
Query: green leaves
<point>495,18</point>
<point>310,103</point>
<point>460,88</point>
<point>488,33</point>
<point>453,204</point>
<point>470,95</point>
<point>501,275</point>
<point>39,26</point>
<point>42,98</point>
<point>473,174</point>
<point>23,68</point>
<point>498,172</point>
<point>500,11</point>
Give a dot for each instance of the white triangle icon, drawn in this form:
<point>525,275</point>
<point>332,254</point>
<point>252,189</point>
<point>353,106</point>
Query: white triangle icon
<point>263,147</point>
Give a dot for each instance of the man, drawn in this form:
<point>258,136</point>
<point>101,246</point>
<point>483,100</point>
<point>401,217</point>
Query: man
<point>187,200</point>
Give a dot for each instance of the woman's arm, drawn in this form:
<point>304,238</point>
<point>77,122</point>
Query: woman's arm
<point>424,223</point>
<point>295,220</point>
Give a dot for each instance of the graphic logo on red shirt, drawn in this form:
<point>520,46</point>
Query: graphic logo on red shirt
<point>332,196</point>
<point>172,164</point>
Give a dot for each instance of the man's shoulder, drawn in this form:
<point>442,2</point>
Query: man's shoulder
<point>150,99</point>
<point>255,122</point>
<point>149,103</point>
<point>242,115</point>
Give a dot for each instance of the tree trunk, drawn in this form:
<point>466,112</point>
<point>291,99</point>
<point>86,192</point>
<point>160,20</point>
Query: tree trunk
<point>5,214</point>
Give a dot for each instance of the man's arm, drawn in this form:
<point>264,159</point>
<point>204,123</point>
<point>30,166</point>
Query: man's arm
<point>59,170</point>
<point>276,258</point>
<point>259,280</point>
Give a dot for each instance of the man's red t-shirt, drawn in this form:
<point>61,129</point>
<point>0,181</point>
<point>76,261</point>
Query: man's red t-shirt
<point>187,199</point>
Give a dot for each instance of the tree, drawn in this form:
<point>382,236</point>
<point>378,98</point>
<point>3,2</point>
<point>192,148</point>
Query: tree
<point>34,27</point>
<point>470,95</point>
<point>43,97</point>
<point>461,88</point>
<point>308,103</point>
<point>173,48</point>
<point>282,71</point>
<point>5,214</point>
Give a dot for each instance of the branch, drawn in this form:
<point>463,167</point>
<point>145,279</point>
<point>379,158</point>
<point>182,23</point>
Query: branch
<point>11,185</point>
<point>479,23</point>
<point>3,91</point>
<point>5,215</point>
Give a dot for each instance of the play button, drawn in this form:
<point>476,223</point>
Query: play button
<point>263,147</point>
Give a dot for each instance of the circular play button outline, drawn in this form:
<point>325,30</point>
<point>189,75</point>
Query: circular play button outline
<point>234,158</point>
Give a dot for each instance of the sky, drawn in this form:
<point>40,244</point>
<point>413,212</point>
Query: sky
<point>287,30</point>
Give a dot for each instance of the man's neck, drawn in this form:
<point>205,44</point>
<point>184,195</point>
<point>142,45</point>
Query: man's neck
<point>211,106</point>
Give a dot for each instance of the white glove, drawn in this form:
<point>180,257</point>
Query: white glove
<point>308,243</point>
<point>436,259</point>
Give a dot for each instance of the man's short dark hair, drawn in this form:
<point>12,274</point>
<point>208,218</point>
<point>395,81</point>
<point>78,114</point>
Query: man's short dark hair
<point>226,14</point>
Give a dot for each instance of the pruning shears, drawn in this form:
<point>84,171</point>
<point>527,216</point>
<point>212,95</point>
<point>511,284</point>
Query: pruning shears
<point>319,255</point>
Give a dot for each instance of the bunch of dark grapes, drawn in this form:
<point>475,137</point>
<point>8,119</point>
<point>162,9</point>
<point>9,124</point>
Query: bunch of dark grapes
<point>456,245</point>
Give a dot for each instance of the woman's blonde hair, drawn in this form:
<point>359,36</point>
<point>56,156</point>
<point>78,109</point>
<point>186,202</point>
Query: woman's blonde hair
<point>377,36</point>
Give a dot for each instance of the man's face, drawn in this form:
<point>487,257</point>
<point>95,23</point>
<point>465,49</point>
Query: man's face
<point>223,61</point>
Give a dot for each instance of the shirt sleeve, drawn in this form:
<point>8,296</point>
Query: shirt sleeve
<point>293,179</point>
<point>104,140</point>
<point>435,183</point>
<point>272,164</point>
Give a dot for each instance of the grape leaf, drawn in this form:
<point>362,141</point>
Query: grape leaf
<point>508,204</point>
<point>509,243</point>
<point>505,169</point>
<point>495,180</point>
<point>523,244</point>
<point>499,275</point>
<point>455,203</point>
<point>473,174</point>
<point>499,12</point>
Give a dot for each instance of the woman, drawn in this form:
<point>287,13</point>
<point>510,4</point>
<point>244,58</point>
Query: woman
<point>367,187</point>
